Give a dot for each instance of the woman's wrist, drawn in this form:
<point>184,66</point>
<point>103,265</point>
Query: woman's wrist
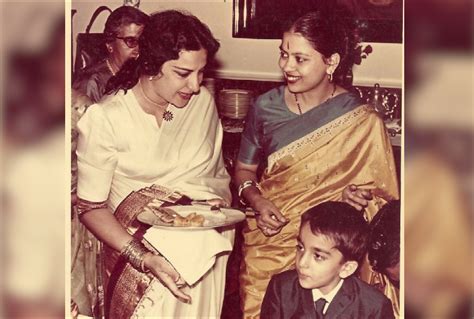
<point>146,262</point>
<point>135,252</point>
<point>251,195</point>
<point>245,189</point>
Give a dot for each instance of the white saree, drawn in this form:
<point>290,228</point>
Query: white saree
<point>121,149</point>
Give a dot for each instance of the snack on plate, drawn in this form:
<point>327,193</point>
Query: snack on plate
<point>171,217</point>
<point>197,220</point>
<point>165,215</point>
<point>192,219</point>
<point>180,221</point>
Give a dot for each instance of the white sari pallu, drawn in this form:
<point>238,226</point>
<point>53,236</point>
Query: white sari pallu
<point>122,150</point>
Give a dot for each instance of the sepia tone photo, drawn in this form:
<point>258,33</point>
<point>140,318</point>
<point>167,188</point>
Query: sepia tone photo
<point>221,176</point>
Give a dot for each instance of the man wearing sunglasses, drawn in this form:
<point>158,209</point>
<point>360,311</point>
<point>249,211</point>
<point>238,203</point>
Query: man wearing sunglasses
<point>122,31</point>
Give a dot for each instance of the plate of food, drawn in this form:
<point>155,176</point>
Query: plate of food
<point>189,217</point>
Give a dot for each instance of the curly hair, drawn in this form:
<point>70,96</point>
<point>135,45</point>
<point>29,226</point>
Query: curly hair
<point>165,35</point>
<point>329,31</point>
<point>121,17</point>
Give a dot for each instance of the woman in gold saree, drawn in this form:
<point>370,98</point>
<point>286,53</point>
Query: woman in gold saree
<point>317,138</point>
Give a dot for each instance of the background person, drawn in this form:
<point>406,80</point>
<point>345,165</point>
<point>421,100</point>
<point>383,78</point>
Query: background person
<point>122,32</point>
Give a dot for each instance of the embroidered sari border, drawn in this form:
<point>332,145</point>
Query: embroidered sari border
<point>315,137</point>
<point>127,286</point>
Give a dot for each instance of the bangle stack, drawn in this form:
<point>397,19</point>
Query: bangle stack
<point>134,251</point>
<point>244,185</point>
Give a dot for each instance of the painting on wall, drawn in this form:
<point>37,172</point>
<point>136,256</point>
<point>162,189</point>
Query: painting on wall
<point>376,20</point>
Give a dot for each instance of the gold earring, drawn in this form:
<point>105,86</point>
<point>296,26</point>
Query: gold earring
<point>330,77</point>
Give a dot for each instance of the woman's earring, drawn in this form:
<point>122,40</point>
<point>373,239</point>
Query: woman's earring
<point>152,77</point>
<point>330,77</point>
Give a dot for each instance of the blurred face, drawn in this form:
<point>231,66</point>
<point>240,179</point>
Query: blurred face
<point>318,263</point>
<point>125,45</point>
<point>304,68</point>
<point>180,79</point>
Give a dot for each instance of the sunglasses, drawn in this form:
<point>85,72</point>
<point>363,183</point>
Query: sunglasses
<point>131,42</point>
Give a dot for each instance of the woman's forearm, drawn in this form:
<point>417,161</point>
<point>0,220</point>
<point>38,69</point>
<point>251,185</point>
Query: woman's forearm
<point>103,224</point>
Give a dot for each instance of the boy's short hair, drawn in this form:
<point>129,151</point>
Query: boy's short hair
<point>384,239</point>
<point>342,223</point>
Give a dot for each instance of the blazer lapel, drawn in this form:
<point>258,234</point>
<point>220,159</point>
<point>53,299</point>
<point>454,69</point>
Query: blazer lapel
<point>306,309</point>
<point>308,304</point>
<point>344,298</point>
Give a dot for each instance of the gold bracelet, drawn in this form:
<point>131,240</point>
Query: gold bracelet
<point>134,251</point>
<point>244,185</point>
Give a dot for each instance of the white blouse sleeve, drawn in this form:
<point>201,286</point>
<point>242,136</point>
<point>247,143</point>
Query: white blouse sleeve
<point>96,155</point>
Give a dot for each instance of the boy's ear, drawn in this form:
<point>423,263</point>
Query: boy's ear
<point>348,268</point>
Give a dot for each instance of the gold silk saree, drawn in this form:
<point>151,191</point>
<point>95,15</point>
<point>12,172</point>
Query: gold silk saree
<point>350,149</point>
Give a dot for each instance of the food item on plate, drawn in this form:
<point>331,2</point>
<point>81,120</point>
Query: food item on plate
<point>170,217</point>
<point>180,221</point>
<point>197,220</point>
<point>192,219</point>
<point>165,215</point>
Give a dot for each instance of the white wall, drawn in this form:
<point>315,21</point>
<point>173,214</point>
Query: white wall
<point>250,59</point>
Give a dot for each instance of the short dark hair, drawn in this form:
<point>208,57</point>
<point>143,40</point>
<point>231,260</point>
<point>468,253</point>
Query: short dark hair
<point>121,17</point>
<point>343,224</point>
<point>165,35</point>
<point>384,239</point>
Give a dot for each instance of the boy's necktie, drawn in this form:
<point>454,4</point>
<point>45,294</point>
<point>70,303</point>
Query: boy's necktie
<point>319,305</point>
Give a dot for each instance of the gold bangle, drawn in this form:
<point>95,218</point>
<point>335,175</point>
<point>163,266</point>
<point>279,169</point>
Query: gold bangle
<point>134,251</point>
<point>244,185</point>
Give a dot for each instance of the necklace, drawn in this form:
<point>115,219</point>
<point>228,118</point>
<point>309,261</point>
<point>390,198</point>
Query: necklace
<point>167,115</point>
<point>330,97</point>
<point>110,67</point>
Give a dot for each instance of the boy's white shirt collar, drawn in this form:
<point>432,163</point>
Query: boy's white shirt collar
<point>329,297</point>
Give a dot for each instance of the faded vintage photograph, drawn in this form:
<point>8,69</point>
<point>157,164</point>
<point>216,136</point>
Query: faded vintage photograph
<point>216,175</point>
<point>236,159</point>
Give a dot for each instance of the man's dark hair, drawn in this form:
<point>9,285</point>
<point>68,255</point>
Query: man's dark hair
<point>120,18</point>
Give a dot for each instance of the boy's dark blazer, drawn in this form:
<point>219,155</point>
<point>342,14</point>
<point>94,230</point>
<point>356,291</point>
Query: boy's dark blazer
<point>285,298</point>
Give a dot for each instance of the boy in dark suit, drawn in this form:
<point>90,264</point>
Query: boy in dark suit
<point>332,243</point>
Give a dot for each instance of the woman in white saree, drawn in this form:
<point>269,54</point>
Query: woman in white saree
<point>159,128</point>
